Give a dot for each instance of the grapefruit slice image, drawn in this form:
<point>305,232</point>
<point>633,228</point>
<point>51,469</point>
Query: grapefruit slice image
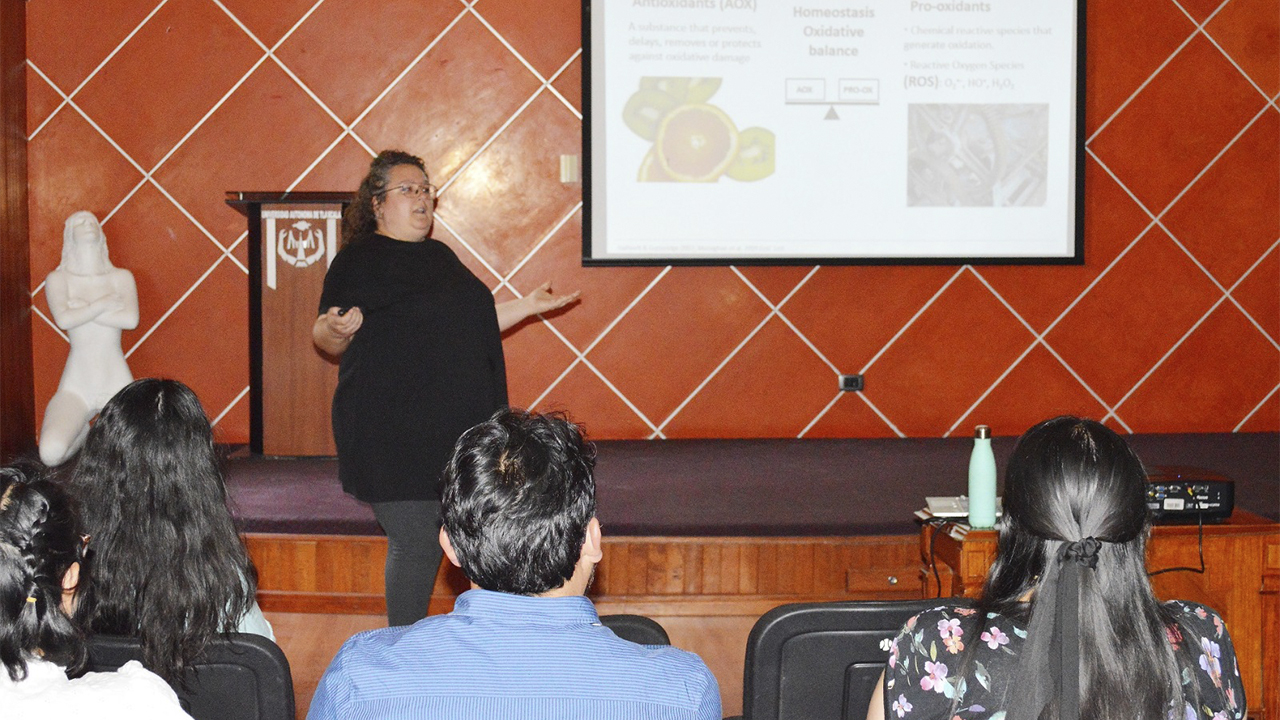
<point>651,170</point>
<point>696,143</point>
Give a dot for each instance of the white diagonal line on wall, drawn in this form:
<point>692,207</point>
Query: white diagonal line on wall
<point>94,72</point>
<point>529,66</point>
<point>229,406</point>
<point>1038,339</point>
<point>1256,408</point>
<point>176,305</point>
<point>1166,355</point>
<point>147,177</point>
<point>884,418</point>
<point>1235,64</point>
<point>538,245</point>
<point>479,258</point>
<point>492,139</point>
<point>716,371</point>
<point>911,321</point>
<point>821,413</point>
<point>1212,161</point>
<point>556,92</point>
<point>408,68</point>
<point>777,310</point>
<point>1238,282</point>
<point>1162,66</point>
<point>50,322</point>
<point>287,71</point>
<point>582,355</point>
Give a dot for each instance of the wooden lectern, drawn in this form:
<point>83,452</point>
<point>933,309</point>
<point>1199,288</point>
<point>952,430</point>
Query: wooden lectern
<point>292,239</point>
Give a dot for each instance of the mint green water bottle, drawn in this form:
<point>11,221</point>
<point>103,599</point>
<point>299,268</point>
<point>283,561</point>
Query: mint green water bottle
<point>982,480</point>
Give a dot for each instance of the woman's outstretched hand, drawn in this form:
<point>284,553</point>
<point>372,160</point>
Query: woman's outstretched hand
<point>540,300</point>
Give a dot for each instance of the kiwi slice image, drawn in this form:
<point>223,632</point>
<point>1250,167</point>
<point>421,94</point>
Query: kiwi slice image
<point>645,111</point>
<point>755,158</point>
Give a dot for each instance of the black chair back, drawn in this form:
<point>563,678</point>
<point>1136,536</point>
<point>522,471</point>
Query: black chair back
<point>636,628</point>
<point>820,660</point>
<point>240,677</point>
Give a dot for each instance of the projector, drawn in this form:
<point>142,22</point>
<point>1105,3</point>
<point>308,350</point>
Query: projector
<point>1179,494</point>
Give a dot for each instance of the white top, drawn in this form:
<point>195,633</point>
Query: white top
<point>130,693</point>
<point>253,621</point>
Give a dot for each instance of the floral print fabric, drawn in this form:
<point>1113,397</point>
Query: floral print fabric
<point>925,658</point>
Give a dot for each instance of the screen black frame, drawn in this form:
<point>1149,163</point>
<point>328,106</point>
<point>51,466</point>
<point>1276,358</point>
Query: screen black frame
<point>1077,258</point>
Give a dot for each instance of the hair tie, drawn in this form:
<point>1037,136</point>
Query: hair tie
<point>1084,552</point>
<point>31,598</point>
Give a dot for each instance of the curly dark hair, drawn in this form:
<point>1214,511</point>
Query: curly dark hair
<point>169,567</point>
<point>39,541</point>
<point>359,219</point>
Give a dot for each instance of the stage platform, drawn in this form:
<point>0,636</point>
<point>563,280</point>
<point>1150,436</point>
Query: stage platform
<point>724,526</point>
<point>748,487</point>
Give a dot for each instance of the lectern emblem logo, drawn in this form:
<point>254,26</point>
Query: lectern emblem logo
<point>300,244</point>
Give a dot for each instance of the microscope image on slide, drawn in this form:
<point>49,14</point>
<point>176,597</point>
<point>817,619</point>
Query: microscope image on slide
<point>977,155</point>
<point>693,140</point>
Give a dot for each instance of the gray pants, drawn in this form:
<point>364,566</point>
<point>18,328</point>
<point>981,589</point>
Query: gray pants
<point>413,556</point>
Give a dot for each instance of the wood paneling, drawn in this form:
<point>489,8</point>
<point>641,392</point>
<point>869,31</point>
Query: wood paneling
<point>17,389</point>
<point>679,576</point>
<point>707,592</point>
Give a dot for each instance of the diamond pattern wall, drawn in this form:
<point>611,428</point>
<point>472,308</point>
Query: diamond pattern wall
<point>146,111</point>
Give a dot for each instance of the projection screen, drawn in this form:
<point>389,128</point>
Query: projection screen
<point>830,131</point>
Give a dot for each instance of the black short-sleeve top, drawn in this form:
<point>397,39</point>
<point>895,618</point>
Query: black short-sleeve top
<point>425,365</point>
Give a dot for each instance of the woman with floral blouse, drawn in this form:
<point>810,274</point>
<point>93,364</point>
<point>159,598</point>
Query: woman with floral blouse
<point>1068,626</point>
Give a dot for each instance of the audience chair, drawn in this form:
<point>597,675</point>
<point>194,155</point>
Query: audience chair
<point>240,677</point>
<point>636,628</point>
<point>821,660</point>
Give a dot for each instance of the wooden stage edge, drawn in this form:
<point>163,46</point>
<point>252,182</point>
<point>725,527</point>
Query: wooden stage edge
<point>654,576</point>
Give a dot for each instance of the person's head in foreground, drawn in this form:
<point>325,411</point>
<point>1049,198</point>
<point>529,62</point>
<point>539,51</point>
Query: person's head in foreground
<point>169,566</point>
<point>1068,625</point>
<point>40,554</point>
<point>519,506</point>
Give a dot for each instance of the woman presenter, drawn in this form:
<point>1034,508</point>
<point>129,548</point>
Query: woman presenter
<point>421,361</point>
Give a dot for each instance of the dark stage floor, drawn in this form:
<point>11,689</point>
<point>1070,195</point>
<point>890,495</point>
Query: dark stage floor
<point>749,487</point>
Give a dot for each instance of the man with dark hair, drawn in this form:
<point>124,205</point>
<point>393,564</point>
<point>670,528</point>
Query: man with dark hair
<point>519,518</point>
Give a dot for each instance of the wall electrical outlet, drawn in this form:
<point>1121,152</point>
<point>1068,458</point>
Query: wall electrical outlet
<point>851,383</point>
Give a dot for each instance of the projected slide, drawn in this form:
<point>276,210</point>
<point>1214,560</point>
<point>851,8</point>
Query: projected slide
<point>722,130</point>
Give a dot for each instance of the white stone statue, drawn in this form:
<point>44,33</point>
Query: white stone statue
<point>92,301</point>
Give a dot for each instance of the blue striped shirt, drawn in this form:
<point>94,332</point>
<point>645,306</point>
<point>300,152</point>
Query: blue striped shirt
<point>510,656</point>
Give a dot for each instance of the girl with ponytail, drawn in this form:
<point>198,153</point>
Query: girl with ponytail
<point>1068,626</point>
<point>41,551</point>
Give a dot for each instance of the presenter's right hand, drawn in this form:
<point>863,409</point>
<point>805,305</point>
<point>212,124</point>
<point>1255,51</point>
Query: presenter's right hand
<point>345,325</point>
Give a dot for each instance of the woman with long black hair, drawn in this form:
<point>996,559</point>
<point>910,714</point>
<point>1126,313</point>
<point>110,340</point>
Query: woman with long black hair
<point>1068,625</point>
<point>169,567</point>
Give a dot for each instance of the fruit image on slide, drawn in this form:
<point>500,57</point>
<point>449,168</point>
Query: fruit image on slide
<point>693,140</point>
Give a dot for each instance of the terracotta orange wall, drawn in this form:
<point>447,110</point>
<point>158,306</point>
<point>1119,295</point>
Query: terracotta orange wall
<point>146,112</point>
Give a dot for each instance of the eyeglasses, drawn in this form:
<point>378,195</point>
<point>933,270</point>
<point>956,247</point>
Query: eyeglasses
<point>413,191</point>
